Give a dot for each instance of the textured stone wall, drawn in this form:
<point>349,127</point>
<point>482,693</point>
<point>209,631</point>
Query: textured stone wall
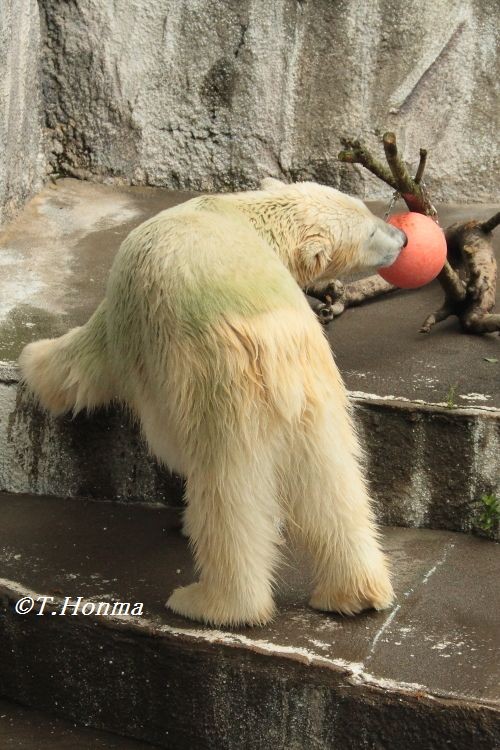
<point>22,164</point>
<point>214,95</point>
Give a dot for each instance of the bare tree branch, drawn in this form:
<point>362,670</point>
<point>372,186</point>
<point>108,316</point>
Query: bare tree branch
<point>470,252</point>
<point>356,153</point>
<point>421,166</point>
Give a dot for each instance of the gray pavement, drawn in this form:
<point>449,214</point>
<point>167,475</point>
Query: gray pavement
<point>56,255</point>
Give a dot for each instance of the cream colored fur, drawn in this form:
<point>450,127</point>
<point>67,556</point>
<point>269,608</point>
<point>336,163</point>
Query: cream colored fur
<point>205,335</point>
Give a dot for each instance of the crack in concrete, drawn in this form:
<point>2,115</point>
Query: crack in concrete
<point>438,564</point>
<point>382,630</point>
<point>406,594</point>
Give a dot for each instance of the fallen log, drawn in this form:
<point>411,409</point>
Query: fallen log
<point>469,275</point>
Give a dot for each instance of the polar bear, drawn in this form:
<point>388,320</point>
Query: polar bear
<point>206,336</point>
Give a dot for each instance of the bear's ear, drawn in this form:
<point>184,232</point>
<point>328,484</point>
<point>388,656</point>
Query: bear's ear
<point>314,256</point>
<point>271,184</point>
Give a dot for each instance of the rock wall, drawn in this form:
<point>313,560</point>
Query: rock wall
<point>22,164</point>
<point>202,95</point>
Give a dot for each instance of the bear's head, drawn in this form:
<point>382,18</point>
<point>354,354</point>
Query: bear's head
<point>335,234</point>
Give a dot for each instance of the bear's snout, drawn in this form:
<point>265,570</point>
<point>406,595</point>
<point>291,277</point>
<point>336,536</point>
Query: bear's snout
<point>398,235</point>
<point>384,245</point>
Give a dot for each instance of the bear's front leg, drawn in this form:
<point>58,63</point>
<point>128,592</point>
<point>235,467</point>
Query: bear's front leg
<point>230,522</point>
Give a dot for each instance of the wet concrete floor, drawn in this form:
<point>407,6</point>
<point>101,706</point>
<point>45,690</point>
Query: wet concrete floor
<point>56,255</point>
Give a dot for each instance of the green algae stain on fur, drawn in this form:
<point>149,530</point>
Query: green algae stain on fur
<point>230,271</point>
<point>241,296</point>
<point>177,278</point>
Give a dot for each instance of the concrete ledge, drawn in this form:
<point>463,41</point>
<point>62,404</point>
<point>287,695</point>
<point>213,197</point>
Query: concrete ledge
<point>98,456</point>
<point>428,465</point>
<point>424,675</point>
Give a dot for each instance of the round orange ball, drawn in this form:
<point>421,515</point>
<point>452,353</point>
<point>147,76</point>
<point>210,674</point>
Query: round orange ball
<point>423,257</point>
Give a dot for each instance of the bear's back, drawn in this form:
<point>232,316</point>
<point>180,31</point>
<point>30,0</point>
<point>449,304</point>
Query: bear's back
<point>196,265</point>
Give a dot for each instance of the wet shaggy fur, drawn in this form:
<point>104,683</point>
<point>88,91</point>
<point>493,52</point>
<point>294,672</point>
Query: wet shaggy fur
<point>207,338</point>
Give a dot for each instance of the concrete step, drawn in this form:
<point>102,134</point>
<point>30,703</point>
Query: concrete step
<point>424,675</point>
<point>24,728</point>
<point>427,466</point>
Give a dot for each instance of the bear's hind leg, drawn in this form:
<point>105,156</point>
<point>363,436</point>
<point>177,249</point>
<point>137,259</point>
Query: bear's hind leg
<point>230,519</point>
<point>331,514</point>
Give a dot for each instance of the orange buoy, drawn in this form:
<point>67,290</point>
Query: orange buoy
<point>423,257</point>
